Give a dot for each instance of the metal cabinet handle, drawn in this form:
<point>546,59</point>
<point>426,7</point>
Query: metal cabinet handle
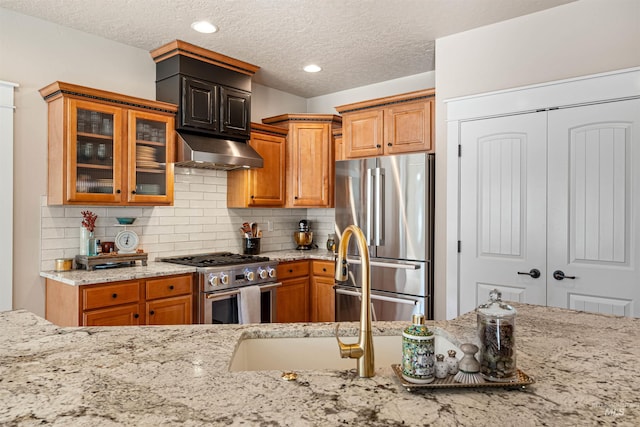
<point>117,191</point>
<point>559,275</point>
<point>135,316</point>
<point>378,146</point>
<point>152,312</point>
<point>170,287</point>
<point>389,144</point>
<point>534,273</point>
<point>114,295</point>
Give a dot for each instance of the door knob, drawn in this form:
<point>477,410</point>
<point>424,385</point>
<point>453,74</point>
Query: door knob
<point>534,273</point>
<point>559,275</point>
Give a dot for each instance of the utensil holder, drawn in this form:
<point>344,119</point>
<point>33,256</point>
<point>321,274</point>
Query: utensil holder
<point>251,246</point>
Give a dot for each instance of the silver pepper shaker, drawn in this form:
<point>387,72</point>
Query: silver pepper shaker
<point>452,362</point>
<point>441,367</point>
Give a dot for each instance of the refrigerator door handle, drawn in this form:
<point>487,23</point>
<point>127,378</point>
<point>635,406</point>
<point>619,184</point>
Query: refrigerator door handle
<point>379,206</point>
<point>369,194</point>
<point>342,291</point>
<point>390,264</point>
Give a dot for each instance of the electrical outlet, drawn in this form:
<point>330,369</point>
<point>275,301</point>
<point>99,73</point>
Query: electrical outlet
<point>269,225</point>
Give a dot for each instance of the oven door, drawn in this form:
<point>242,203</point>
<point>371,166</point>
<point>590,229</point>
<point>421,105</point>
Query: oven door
<point>384,305</point>
<point>222,307</point>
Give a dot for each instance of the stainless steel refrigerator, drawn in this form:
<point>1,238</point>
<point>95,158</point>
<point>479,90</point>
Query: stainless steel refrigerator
<point>391,199</point>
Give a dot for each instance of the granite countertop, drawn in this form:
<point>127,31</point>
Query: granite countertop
<point>154,269</point>
<point>584,365</point>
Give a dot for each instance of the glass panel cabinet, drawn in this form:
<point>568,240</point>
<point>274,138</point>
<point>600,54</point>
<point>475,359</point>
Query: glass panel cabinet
<point>106,148</point>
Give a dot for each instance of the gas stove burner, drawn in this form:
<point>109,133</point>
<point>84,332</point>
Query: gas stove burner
<point>215,259</point>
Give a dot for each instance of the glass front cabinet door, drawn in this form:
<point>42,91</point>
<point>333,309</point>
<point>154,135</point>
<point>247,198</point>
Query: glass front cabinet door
<point>95,152</point>
<point>150,157</point>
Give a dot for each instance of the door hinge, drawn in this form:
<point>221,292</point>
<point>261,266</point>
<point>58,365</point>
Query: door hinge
<point>459,246</point>
<point>459,150</point>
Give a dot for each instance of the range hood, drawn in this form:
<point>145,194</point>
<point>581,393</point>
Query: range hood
<point>205,152</point>
<point>213,94</point>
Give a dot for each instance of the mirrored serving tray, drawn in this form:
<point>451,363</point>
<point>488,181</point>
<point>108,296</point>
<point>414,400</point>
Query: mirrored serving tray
<point>522,381</point>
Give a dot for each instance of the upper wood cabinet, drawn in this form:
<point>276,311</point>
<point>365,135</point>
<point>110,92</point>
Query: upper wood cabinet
<point>392,125</point>
<point>261,187</point>
<point>310,165</point>
<point>108,149</point>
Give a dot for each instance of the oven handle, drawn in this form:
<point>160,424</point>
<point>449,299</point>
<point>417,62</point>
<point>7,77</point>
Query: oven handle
<point>233,292</point>
<point>390,264</point>
<point>376,296</point>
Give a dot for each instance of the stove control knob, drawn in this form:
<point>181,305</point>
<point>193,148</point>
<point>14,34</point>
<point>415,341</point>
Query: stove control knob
<point>262,273</point>
<point>272,272</point>
<point>224,278</point>
<point>213,279</point>
<point>249,275</point>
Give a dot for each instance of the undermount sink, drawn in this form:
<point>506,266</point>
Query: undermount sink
<point>317,353</point>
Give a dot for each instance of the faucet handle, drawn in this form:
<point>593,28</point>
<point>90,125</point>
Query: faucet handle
<point>351,351</point>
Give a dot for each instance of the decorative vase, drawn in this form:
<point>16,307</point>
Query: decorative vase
<point>84,240</point>
<point>417,352</point>
<point>92,249</point>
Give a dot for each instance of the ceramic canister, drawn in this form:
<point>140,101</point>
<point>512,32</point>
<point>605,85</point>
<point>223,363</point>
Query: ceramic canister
<point>417,352</point>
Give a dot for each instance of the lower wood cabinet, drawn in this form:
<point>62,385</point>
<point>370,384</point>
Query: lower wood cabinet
<point>323,297</point>
<point>307,292</point>
<point>166,300</point>
<point>292,298</point>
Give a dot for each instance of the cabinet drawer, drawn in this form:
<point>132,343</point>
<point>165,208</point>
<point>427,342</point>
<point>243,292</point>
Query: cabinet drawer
<point>293,269</point>
<point>109,295</point>
<point>168,287</point>
<point>323,268</point>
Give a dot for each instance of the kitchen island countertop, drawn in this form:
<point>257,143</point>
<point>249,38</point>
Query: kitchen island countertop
<point>585,366</point>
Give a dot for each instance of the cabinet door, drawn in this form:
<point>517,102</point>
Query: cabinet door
<point>503,209</point>
<point>323,299</point>
<point>266,184</point>
<point>408,127</point>
<point>594,205</point>
<point>150,167</point>
<point>363,134</point>
<point>170,311</point>
<point>311,167</point>
<point>126,315</point>
<point>94,152</point>
<point>200,104</point>
<point>292,300</point>
<point>235,109</point>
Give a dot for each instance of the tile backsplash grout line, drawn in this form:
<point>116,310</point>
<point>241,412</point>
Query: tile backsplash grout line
<point>199,221</point>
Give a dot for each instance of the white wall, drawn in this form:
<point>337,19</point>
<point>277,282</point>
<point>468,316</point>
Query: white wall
<point>326,104</point>
<point>34,53</point>
<point>580,38</point>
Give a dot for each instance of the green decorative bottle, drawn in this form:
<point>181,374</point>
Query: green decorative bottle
<point>418,352</point>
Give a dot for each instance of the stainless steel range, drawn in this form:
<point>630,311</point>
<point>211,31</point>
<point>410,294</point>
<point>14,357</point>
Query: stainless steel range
<point>220,277</point>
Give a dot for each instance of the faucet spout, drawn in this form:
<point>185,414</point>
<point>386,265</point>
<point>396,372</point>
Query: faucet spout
<point>363,349</point>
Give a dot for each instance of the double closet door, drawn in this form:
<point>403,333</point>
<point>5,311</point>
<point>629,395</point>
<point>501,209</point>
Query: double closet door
<point>550,208</point>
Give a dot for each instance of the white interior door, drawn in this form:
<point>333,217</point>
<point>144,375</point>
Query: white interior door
<point>594,208</point>
<point>503,209</point>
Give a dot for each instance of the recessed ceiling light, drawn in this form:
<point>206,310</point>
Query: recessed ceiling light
<point>312,68</point>
<point>204,27</point>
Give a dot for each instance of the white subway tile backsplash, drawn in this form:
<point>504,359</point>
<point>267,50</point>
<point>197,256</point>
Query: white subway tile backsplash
<point>198,222</point>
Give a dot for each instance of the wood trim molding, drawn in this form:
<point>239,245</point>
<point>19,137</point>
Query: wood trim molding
<point>178,47</point>
<point>389,100</point>
<point>268,129</point>
<point>336,121</point>
<point>57,89</point>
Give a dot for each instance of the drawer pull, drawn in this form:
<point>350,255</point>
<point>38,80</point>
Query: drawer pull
<point>324,269</point>
<point>152,312</point>
<point>290,270</point>
<point>114,295</point>
<point>135,316</point>
<point>170,287</point>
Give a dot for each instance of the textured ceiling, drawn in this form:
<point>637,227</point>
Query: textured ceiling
<point>356,42</point>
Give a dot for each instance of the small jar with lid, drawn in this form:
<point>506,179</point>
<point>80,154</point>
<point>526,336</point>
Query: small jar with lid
<point>497,334</point>
<point>418,352</point>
